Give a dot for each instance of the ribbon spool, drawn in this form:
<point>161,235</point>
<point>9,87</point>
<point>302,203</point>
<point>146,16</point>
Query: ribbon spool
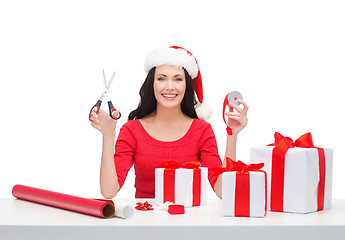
<point>232,97</point>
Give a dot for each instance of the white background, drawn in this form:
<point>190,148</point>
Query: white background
<point>286,57</point>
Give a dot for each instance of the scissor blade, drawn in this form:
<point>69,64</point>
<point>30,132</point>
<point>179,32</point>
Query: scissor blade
<point>105,81</point>
<point>102,96</point>
<point>110,81</point>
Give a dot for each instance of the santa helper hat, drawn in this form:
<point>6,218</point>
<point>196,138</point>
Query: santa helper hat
<point>180,57</point>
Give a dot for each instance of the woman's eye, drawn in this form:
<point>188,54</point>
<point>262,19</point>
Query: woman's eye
<point>178,79</point>
<point>160,79</point>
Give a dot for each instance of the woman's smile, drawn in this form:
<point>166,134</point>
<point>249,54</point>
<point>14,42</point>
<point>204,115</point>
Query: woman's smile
<point>170,96</point>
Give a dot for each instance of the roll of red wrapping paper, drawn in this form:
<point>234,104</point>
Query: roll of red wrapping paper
<point>99,208</point>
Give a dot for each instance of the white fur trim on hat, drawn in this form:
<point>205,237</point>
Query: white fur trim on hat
<point>204,111</point>
<point>171,56</point>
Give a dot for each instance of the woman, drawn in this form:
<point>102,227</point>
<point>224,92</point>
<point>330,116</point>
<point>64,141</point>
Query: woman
<point>165,126</point>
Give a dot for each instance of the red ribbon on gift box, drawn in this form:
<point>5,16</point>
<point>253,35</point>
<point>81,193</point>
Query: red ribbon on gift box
<point>242,187</point>
<point>169,180</point>
<point>282,145</point>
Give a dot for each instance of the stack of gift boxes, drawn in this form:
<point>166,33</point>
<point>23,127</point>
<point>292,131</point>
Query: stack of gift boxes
<point>286,176</point>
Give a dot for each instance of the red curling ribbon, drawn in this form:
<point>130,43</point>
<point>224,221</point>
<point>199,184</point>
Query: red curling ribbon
<point>282,145</point>
<point>225,103</point>
<point>242,186</point>
<point>169,180</point>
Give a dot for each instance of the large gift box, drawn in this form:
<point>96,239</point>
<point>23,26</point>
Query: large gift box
<point>181,183</point>
<point>299,175</point>
<point>243,189</point>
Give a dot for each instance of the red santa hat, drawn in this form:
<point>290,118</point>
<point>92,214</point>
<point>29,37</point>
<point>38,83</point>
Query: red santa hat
<point>180,57</point>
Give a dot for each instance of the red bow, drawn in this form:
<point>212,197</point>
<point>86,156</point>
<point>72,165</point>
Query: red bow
<point>284,143</point>
<point>238,166</point>
<point>172,164</point>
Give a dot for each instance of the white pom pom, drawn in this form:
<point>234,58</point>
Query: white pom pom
<point>203,111</point>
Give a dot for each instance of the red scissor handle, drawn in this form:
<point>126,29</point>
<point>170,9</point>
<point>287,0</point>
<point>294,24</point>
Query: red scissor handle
<point>112,110</point>
<point>97,106</point>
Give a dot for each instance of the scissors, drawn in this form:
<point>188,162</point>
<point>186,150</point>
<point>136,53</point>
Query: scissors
<point>105,94</point>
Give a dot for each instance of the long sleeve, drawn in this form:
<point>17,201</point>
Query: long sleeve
<point>124,153</point>
<point>209,156</point>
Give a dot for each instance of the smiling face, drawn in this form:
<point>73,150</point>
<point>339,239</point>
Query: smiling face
<point>169,86</point>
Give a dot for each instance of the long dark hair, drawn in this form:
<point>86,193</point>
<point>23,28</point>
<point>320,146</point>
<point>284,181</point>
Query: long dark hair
<point>148,102</point>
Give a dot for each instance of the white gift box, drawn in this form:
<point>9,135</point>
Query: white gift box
<point>301,177</point>
<point>256,192</point>
<point>183,186</point>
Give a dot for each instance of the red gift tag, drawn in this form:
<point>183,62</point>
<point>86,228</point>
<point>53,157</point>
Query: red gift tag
<point>176,209</point>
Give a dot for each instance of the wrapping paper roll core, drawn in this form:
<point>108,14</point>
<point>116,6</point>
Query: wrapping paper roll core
<point>99,208</point>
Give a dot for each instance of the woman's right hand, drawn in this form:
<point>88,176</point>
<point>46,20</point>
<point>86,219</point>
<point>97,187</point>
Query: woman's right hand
<point>103,122</point>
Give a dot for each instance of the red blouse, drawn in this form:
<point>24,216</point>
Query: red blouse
<point>135,146</point>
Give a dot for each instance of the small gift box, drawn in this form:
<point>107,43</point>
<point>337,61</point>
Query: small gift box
<point>299,175</point>
<point>243,189</point>
<point>181,183</point>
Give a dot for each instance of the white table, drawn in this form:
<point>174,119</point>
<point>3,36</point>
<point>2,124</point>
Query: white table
<point>25,220</point>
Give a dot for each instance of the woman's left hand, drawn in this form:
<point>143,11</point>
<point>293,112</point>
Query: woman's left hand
<point>237,120</point>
